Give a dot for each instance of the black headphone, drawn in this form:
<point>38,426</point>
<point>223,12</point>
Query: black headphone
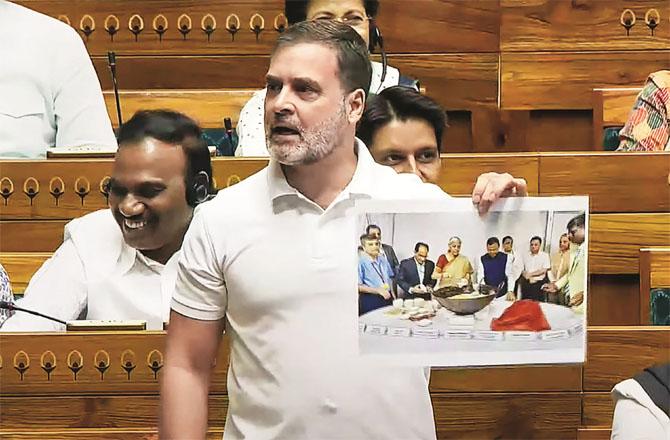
<point>196,192</point>
<point>377,39</point>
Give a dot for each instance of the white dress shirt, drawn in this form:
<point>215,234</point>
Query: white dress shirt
<point>421,269</point>
<point>49,92</point>
<point>94,274</point>
<point>636,416</point>
<point>535,262</point>
<point>294,368</point>
<point>251,125</point>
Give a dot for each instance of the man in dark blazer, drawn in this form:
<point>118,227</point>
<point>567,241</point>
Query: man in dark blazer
<point>416,272</point>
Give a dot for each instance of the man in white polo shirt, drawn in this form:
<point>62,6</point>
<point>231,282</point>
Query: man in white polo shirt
<point>274,258</point>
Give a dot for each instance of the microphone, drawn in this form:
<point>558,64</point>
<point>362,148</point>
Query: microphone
<point>7,305</point>
<point>111,61</point>
<point>229,142</point>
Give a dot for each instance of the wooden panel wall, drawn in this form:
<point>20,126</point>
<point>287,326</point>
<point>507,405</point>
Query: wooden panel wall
<point>521,71</point>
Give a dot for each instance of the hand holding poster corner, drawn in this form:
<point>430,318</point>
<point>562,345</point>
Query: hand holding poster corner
<point>506,288</point>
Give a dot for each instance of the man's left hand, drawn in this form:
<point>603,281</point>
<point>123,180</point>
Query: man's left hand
<point>576,299</point>
<point>492,186</point>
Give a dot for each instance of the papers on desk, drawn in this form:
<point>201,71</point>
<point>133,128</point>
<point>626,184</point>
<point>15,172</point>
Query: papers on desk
<point>100,325</point>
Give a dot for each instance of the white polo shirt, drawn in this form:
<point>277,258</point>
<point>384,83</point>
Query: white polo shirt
<point>49,92</point>
<point>283,273</point>
<point>96,275</point>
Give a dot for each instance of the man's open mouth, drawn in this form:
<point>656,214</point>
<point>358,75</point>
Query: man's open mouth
<point>134,224</point>
<point>285,131</point>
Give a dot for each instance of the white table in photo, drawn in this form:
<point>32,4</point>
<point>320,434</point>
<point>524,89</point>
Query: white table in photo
<point>452,340</point>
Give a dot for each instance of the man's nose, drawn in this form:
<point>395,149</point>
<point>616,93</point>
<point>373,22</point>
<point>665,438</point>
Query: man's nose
<point>131,206</point>
<point>410,166</point>
<point>283,103</point>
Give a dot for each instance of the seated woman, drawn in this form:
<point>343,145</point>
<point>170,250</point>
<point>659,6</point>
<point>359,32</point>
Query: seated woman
<point>452,268</point>
<point>403,129</point>
<point>648,126</point>
<point>5,294</point>
<point>359,14</point>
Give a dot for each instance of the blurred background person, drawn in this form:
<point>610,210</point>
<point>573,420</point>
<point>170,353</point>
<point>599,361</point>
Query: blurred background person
<point>642,405</point>
<point>403,129</point>
<point>5,294</point>
<point>452,268</point>
<point>648,126</point>
<point>360,15</point>
<point>50,95</point>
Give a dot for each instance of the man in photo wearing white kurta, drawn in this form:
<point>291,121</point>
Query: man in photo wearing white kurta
<point>120,263</point>
<point>49,92</point>
<point>294,371</point>
<point>536,264</point>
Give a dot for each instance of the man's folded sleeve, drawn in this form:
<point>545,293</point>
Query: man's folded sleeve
<point>200,290</point>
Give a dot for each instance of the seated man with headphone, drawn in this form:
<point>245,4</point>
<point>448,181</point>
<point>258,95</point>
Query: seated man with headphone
<point>360,15</point>
<point>121,263</point>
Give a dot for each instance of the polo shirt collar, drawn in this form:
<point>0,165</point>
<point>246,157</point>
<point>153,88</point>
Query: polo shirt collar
<point>360,184</point>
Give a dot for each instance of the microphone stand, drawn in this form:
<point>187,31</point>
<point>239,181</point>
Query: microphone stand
<point>111,60</point>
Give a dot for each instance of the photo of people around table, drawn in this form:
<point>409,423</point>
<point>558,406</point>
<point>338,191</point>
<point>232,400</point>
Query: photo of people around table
<point>440,285</point>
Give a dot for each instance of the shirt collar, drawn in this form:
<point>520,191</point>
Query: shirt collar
<point>361,183</point>
<point>129,256</point>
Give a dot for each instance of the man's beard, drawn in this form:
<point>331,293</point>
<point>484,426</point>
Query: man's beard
<point>314,144</point>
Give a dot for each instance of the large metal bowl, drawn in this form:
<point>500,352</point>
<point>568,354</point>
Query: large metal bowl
<point>465,306</point>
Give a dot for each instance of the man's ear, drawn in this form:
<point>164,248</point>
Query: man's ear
<point>355,106</point>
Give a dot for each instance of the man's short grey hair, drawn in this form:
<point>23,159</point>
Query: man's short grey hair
<point>353,58</point>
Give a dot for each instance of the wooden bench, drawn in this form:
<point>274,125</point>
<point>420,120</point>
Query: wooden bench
<point>615,354</point>
<point>504,402</point>
<point>611,108</point>
<point>207,106</point>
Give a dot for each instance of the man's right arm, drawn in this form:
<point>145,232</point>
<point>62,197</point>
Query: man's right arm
<point>57,289</point>
<point>191,349</point>
<point>198,311</point>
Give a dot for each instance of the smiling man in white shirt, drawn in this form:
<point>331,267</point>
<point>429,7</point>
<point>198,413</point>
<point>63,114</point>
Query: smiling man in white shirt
<point>294,372</point>
<point>120,263</point>
<point>49,92</point>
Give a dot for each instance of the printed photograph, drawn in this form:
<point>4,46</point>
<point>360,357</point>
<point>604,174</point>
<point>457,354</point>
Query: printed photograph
<point>440,285</point>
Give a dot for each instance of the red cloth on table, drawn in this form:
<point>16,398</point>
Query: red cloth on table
<point>523,315</point>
